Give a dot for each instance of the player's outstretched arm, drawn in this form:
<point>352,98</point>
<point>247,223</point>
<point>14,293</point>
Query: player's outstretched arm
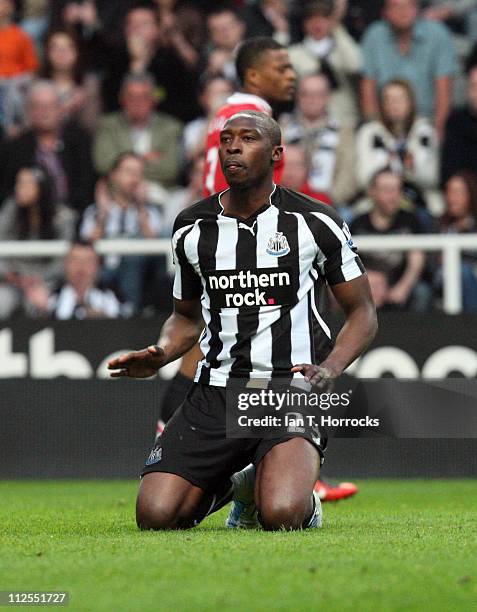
<point>179,334</point>
<point>357,333</point>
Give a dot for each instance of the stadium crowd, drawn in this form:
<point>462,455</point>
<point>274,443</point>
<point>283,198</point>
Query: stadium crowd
<point>104,108</point>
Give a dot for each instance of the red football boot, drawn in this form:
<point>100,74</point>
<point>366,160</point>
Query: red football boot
<point>331,492</point>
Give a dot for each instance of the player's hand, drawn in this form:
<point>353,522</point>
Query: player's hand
<point>138,364</point>
<point>319,376</point>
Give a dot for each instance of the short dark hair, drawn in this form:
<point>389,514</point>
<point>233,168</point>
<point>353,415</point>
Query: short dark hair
<point>122,156</point>
<point>251,51</point>
<point>226,8</point>
<point>143,78</point>
<point>269,125</point>
<point>380,172</point>
<point>324,8</point>
<point>207,78</point>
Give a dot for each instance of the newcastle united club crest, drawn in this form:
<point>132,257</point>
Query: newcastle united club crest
<point>278,245</point>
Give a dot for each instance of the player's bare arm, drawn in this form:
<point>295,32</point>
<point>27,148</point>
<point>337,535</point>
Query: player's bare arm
<point>178,335</point>
<point>357,333</point>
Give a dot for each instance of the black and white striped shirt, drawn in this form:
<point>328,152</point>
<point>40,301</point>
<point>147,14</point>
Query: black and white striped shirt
<point>259,281</point>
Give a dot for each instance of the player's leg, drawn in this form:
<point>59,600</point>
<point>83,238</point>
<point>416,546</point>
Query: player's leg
<point>284,485</point>
<point>242,513</point>
<point>188,473</point>
<point>168,501</point>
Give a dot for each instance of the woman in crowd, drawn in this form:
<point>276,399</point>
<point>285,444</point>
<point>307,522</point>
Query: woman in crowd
<point>30,214</point>
<point>400,140</point>
<point>460,217</point>
<point>79,91</point>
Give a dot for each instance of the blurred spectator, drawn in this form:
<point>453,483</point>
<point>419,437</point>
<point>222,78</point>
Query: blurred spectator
<point>97,25</point>
<point>459,15</point>
<point>268,18</point>
<point>152,135</point>
<point>359,14</point>
<point>296,171</point>
<point>18,62</point>
<point>459,149</point>
<point>79,92</point>
<point>327,47</point>
<point>86,17</point>
<point>213,92</point>
<point>226,29</point>
<point>30,214</point>
<point>460,217</point>
<point>121,211</point>
<point>379,284</point>
<point>399,140</point>
<point>34,20</point>
<point>403,270</point>
<point>63,150</point>
<point>404,46</point>
<point>182,197</point>
<point>142,51</point>
<point>329,143</point>
<point>182,29</point>
<point>79,294</point>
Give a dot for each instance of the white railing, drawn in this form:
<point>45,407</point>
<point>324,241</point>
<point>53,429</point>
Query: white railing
<point>450,245</point>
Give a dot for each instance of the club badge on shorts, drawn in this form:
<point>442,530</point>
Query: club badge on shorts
<point>155,455</point>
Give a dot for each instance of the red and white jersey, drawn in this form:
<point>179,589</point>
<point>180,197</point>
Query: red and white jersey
<point>214,179</point>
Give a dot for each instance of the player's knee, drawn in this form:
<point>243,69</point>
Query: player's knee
<point>282,514</point>
<point>156,514</point>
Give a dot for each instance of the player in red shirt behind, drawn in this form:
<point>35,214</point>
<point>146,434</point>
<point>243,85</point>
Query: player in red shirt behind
<point>267,78</point>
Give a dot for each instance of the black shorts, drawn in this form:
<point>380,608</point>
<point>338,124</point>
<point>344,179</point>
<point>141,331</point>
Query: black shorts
<point>194,443</point>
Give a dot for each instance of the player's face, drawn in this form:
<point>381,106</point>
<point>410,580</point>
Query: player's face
<point>245,152</point>
<point>275,77</point>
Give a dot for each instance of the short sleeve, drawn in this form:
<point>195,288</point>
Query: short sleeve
<point>446,61</point>
<point>369,49</point>
<point>337,256</point>
<point>187,283</point>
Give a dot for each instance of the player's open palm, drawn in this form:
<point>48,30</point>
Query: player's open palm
<point>318,376</point>
<point>138,364</point>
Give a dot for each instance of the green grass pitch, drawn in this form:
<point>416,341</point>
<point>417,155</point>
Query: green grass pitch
<point>398,545</point>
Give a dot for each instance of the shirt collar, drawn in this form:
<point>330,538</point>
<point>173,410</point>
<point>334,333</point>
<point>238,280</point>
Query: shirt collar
<point>273,200</point>
<point>418,30</point>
